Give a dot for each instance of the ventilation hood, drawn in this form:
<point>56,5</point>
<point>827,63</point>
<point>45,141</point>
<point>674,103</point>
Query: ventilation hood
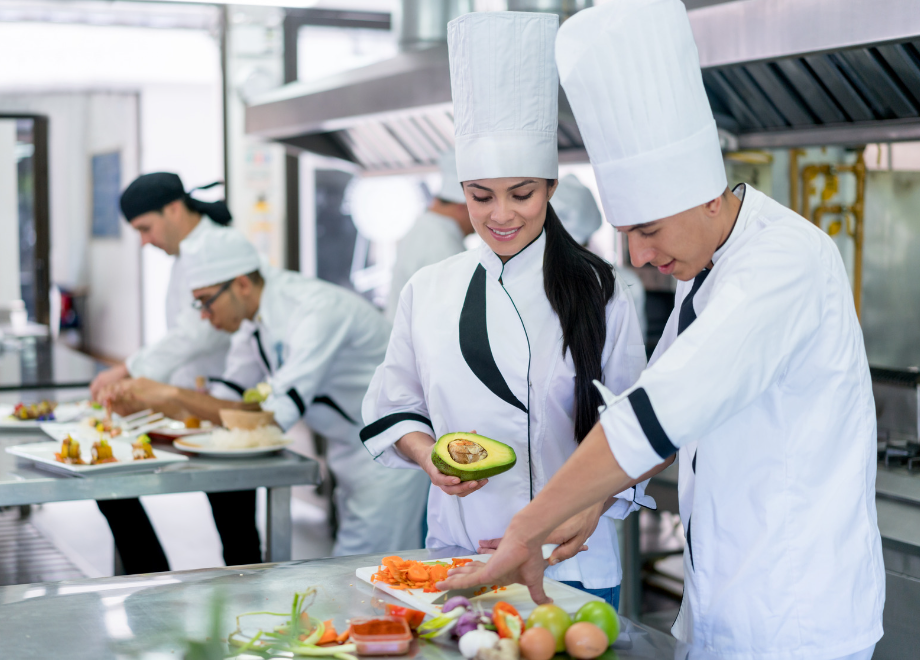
<point>778,74</point>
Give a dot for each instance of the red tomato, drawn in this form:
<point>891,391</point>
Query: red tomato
<point>413,617</point>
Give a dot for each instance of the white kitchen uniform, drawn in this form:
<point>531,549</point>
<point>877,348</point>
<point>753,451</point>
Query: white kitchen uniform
<point>192,346</point>
<point>317,345</point>
<point>767,395</point>
<point>477,346</point>
<point>433,238</point>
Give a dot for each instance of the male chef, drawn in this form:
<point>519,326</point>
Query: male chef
<point>760,382</point>
<point>317,346</point>
<point>436,235</point>
<point>157,206</point>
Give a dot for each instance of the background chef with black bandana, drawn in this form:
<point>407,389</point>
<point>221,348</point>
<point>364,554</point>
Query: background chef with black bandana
<point>157,206</point>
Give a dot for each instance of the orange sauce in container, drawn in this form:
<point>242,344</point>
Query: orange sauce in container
<point>384,635</point>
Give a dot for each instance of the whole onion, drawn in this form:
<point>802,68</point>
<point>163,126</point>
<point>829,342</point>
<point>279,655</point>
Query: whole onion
<point>456,601</point>
<point>471,621</point>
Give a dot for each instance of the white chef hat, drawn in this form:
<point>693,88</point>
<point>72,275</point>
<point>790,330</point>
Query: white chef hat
<point>505,90</point>
<point>576,208</point>
<point>451,190</point>
<point>631,73</point>
<point>225,254</point>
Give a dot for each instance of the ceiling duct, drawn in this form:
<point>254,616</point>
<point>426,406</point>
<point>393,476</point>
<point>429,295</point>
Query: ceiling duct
<point>395,115</point>
<point>812,72</point>
<point>778,74</point>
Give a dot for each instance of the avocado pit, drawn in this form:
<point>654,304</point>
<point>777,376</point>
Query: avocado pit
<point>466,451</point>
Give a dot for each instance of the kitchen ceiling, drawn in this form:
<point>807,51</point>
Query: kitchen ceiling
<point>778,74</point>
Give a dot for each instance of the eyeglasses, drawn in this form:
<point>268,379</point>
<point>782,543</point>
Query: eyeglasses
<point>205,305</point>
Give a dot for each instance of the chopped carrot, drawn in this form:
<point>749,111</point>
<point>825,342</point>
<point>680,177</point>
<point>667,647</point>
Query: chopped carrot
<point>341,639</point>
<point>409,574</point>
<point>438,573</point>
<point>418,573</point>
<point>329,633</point>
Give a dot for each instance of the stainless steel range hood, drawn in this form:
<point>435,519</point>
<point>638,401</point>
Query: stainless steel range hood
<point>779,73</point>
<point>812,72</point>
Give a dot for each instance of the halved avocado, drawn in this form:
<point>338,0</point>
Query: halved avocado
<point>471,457</point>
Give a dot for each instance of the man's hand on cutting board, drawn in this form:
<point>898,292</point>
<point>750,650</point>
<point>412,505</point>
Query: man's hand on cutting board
<point>514,561</point>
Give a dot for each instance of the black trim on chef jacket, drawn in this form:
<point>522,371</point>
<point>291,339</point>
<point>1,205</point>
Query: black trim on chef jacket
<point>388,421</point>
<point>258,337</point>
<point>298,401</point>
<point>236,387</point>
<point>474,341</point>
<point>648,420</point>
<point>293,393</point>
<point>475,347</point>
<point>325,400</point>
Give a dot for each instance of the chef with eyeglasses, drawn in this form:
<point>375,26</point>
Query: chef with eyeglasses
<point>316,345</point>
<point>760,383</point>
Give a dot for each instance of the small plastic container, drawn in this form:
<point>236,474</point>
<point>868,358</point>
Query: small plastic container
<point>394,638</point>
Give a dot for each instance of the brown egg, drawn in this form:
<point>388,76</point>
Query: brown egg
<point>585,641</point>
<point>538,644</point>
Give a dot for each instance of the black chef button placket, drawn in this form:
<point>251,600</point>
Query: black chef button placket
<point>686,317</point>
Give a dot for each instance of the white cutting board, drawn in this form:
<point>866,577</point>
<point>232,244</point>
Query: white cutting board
<point>568,598</point>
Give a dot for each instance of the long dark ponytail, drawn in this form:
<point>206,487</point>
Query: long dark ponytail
<point>579,284</point>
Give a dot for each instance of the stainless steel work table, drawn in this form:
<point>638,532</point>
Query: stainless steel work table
<point>22,483</point>
<point>40,363</point>
<point>149,616</point>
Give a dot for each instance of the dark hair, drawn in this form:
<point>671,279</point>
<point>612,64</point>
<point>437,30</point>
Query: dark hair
<point>217,211</point>
<point>579,284</point>
<point>256,278</point>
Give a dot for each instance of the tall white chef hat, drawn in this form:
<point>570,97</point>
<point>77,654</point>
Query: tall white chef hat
<point>576,208</point>
<point>505,90</point>
<point>225,254</point>
<point>631,73</point>
<point>451,190</point>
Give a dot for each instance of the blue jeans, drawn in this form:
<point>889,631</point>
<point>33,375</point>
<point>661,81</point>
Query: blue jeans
<point>611,595</point>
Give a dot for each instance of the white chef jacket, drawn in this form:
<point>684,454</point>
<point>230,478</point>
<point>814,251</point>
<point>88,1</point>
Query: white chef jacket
<point>192,346</point>
<point>768,397</point>
<point>317,345</point>
<point>433,238</point>
<point>477,346</point>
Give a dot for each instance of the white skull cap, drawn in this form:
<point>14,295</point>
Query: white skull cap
<point>631,73</point>
<point>505,91</point>
<point>576,208</point>
<point>451,190</point>
<point>225,255</point>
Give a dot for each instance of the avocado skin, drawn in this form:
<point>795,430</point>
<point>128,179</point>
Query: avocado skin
<point>501,458</point>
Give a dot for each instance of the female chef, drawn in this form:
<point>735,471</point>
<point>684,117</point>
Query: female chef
<point>760,381</point>
<point>506,339</point>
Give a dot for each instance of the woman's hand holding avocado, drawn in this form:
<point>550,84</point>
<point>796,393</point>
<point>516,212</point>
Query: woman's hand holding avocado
<point>416,446</point>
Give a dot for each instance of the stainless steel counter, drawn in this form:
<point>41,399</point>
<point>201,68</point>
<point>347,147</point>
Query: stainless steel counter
<point>150,616</point>
<point>42,363</point>
<point>23,483</point>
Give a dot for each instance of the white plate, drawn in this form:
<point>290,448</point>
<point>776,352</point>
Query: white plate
<point>201,444</point>
<point>176,429</point>
<point>64,413</point>
<point>42,454</point>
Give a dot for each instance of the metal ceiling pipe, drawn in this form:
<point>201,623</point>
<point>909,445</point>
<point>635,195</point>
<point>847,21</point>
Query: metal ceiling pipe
<point>423,23</point>
<point>564,8</point>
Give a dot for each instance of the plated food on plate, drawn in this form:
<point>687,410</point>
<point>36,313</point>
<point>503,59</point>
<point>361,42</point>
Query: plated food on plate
<point>101,451</point>
<point>43,411</point>
<point>142,450</point>
<point>103,425</point>
<point>70,452</point>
